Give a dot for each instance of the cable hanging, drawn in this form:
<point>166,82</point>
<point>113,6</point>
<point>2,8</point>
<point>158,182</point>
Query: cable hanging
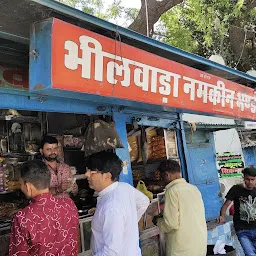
<point>146,5</point>
<point>245,36</point>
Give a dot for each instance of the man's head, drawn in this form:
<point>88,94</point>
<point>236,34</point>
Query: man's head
<point>103,169</point>
<point>170,170</point>
<point>35,178</point>
<point>249,177</point>
<point>49,148</point>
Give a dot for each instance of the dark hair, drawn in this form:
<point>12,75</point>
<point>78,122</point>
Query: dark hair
<point>106,162</point>
<point>48,139</point>
<point>37,173</point>
<point>250,171</point>
<point>169,166</point>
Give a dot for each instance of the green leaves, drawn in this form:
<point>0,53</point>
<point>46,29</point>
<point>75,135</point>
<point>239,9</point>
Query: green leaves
<point>204,27</point>
<point>111,12</point>
<point>171,30</point>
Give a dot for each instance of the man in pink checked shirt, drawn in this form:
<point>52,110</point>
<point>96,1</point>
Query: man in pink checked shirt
<point>49,225</point>
<point>61,176</point>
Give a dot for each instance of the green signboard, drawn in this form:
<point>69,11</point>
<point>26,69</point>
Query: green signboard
<point>230,164</point>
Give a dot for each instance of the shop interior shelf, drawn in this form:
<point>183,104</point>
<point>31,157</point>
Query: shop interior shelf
<point>7,192</point>
<point>11,154</point>
<point>71,149</point>
<point>152,181</point>
<point>4,225</point>
<point>21,119</point>
<point>140,165</point>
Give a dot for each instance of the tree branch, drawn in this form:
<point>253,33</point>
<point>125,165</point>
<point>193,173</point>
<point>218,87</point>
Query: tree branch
<point>155,10</point>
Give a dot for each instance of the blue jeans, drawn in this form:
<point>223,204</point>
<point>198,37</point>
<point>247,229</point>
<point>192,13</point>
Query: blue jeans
<point>247,240</point>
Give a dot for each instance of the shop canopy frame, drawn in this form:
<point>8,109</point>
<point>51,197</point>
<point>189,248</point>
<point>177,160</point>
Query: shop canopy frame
<point>17,16</point>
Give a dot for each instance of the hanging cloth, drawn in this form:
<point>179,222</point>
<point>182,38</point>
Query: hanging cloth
<point>100,136</point>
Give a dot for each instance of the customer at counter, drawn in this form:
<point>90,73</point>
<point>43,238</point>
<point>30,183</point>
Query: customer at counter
<point>244,198</point>
<point>119,208</point>
<point>61,176</point>
<point>184,216</point>
<point>48,226</point>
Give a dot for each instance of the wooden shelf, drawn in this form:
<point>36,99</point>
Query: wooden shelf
<point>20,119</point>
<point>153,181</point>
<point>8,192</point>
<point>71,149</point>
<point>17,154</point>
<point>140,165</point>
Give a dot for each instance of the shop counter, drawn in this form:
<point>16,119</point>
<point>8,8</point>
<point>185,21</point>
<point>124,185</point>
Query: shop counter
<point>151,239</point>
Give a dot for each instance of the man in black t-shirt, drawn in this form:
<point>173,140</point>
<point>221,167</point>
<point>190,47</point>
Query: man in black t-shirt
<point>244,198</point>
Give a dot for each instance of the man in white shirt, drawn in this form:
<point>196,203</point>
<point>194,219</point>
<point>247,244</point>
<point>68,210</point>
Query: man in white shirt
<point>119,208</point>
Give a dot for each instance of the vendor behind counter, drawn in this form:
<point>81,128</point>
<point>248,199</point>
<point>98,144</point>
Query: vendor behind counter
<point>62,181</point>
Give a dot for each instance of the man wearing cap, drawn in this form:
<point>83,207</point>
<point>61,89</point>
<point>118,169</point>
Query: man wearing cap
<point>244,198</point>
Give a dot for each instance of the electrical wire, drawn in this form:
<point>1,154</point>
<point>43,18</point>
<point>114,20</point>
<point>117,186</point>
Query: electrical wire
<point>231,140</point>
<point>146,5</point>
<point>245,36</point>
<point>117,39</point>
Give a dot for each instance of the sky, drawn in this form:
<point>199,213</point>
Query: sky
<point>121,21</point>
<point>125,3</point>
<point>128,3</point>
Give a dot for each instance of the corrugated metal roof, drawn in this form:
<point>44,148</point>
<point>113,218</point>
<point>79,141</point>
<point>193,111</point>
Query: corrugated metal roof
<point>247,138</point>
<point>208,120</point>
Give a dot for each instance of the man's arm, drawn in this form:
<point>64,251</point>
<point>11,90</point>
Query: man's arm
<point>74,188</point>
<point>66,183</point>
<point>18,241</point>
<point>113,232</point>
<point>229,198</point>
<point>142,203</point>
<point>223,210</point>
<point>171,217</point>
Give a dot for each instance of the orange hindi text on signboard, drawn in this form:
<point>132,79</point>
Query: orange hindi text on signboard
<point>83,61</point>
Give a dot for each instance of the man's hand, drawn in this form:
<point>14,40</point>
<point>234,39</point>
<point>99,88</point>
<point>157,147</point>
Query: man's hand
<point>220,219</point>
<point>223,210</point>
<point>53,191</point>
<point>66,185</point>
<point>156,218</point>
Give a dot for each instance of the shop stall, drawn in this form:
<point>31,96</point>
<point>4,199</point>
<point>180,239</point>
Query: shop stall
<point>247,136</point>
<point>83,69</point>
<point>22,131</point>
<point>218,171</point>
